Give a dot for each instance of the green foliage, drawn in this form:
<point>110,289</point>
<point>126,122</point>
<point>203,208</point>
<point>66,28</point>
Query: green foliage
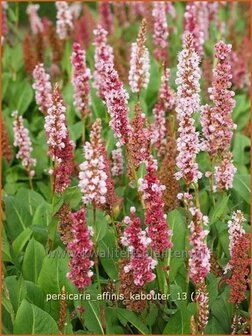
<point>35,260</point>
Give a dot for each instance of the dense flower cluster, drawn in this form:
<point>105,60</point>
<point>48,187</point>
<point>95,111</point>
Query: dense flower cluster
<point>199,254</point>
<point>166,94</point>
<point>43,88</point>
<point>192,26</point>
<point>23,142</point>
<point>224,173</point>
<point>139,73</point>
<point>64,166</point>
<point>35,21</point>
<point>103,56</point>
<point>75,9</point>
<point>60,146</point>
<point>80,249</point>
<point>137,241</point>
<point>117,160</point>
<point>93,178</point>
<point>217,124</point>
<point>64,23</point>
<point>165,103</point>
<point>239,261</point>
<point>235,229</point>
<point>170,9</point>
<point>203,301</point>
<point>65,224</point>
<point>106,19</point>
<point>167,178</point>
<point>160,28</point>
<point>128,288</point>
<point>116,99</point>
<point>5,28</point>
<point>83,27</point>
<point>80,80</point>
<point>240,62</point>
<point>120,13</point>
<point>138,146</point>
<point>187,104</point>
<point>55,125</point>
<point>6,145</point>
<point>239,264</point>
<point>155,219</point>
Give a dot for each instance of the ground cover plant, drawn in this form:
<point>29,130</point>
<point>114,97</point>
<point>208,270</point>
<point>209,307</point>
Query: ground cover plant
<point>125,168</point>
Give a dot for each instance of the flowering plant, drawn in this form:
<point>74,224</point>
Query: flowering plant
<point>126,168</point>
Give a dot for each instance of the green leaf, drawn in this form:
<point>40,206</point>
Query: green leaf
<point>31,320</point>
<point>129,316</point>
<point>19,210</point>
<point>112,322</point>
<point>20,242</point>
<point>92,316</point>
<point>241,142</point>
<point>178,227</point>
<point>101,223</point>
<point>220,208</point>
<point>25,97</point>
<point>5,83</point>
<point>17,216</point>
<point>222,311</point>
<point>152,314</point>
<point>42,215</point>
<point>53,276</point>
<point>75,130</point>
<point>16,290</point>
<point>33,260</point>
<point>72,196</point>
<point>179,322</point>
<point>107,257</point>
<point>6,254</point>
<point>241,185</point>
<point>34,294</point>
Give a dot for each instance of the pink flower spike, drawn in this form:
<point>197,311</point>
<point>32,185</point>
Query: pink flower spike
<point>235,228</point>
<point>106,16</point>
<point>103,55</point>
<point>160,37</point>
<point>42,87</point>
<point>80,80</point>
<point>92,176</point>
<point>217,123</point>
<point>187,103</point>
<point>199,260</point>
<point>35,21</point>
<point>5,28</point>
<point>60,146</point>
<point>155,219</point>
<point>224,173</point>
<point>139,73</point>
<point>166,102</point>
<point>64,23</point>
<point>137,242</point>
<point>80,249</point>
<point>192,26</point>
<point>116,100</point>
<point>117,157</point>
<point>23,142</point>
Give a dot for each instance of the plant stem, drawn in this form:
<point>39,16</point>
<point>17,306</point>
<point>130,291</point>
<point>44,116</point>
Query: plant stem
<point>83,130</point>
<point>30,183</point>
<point>132,167</point>
<point>102,316</point>
<point>96,250</point>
